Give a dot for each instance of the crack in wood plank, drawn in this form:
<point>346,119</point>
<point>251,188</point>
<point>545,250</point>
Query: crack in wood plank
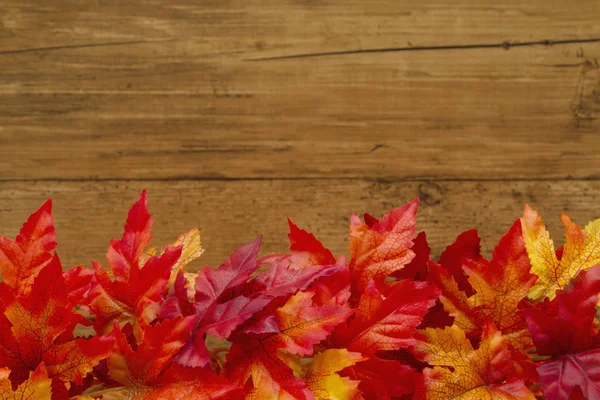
<point>504,45</point>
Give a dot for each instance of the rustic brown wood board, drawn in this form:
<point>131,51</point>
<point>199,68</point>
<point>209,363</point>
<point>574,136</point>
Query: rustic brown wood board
<point>237,114</point>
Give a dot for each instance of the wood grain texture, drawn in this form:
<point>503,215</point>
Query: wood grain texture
<point>162,90</point>
<point>235,114</point>
<point>230,214</point>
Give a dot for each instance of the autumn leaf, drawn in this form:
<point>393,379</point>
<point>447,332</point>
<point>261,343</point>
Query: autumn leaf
<point>306,249</point>
<point>461,372</point>
<point>148,371</point>
<point>466,247</point>
<point>566,330</point>
<point>498,287</point>
<point>258,367</point>
<point>416,269</point>
<point>191,249</point>
<point>131,292</point>
<point>382,379</point>
<point>299,325</point>
<point>379,248</point>
<point>322,379</point>
<point>208,305</point>
<point>36,387</point>
<point>22,260</point>
<point>580,252</point>
<point>294,328</point>
<point>384,322</point>
<point>387,321</point>
<point>230,295</point>
<point>39,327</point>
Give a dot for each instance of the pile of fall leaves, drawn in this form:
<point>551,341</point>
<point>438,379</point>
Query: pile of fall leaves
<point>388,323</point>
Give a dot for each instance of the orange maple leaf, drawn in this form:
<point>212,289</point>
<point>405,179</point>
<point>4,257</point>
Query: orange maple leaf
<point>37,387</point>
<point>498,288</point>
<point>322,378</point>
<point>580,252</point>
<point>380,247</point>
<point>461,372</point>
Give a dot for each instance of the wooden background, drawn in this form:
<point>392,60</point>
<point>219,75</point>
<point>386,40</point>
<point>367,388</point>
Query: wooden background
<point>237,113</point>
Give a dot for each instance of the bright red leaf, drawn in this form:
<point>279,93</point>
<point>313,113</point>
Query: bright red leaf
<point>131,292</point>
<point>147,371</point>
<point>38,328</point>
<point>22,260</point>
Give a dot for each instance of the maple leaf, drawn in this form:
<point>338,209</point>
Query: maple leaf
<point>384,322</point>
<point>133,291</point>
<point>467,246</point>
<point>498,287</point>
<point>22,260</point>
<point>461,372</point>
<point>306,250</point>
<point>387,321</point>
<point>293,328</point>
<point>37,387</point>
<point>191,249</point>
<point>322,379</point>
<point>417,268</point>
<point>38,327</point>
<point>228,296</point>
<point>566,330</point>
<point>148,372</point>
<point>210,287</point>
<point>382,379</point>
<point>580,252</point>
<point>378,248</point>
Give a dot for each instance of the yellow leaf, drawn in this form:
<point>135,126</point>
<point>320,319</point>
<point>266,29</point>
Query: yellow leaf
<point>581,252</point>
<point>461,372</point>
<point>322,379</point>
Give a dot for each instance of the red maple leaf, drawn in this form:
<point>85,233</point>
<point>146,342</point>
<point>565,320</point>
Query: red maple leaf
<point>257,360</point>
<point>146,371</point>
<point>131,292</point>
<point>566,330</point>
<point>22,260</point>
<point>228,296</point>
<point>38,328</point>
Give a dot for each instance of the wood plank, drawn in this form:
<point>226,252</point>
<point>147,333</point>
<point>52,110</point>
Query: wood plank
<point>155,111</point>
<point>275,27</point>
<point>230,214</point>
